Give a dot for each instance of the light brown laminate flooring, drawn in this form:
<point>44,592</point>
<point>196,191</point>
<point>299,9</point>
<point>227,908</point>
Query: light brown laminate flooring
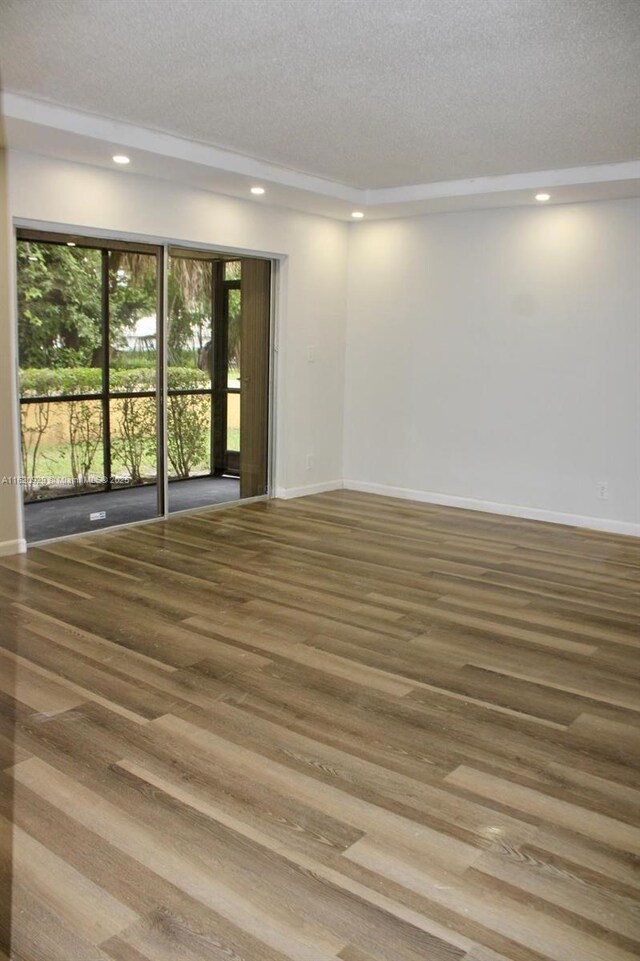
<point>341,727</point>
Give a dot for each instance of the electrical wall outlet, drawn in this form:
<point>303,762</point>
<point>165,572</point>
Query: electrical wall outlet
<point>98,516</point>
<point>311,354</point>
<point>603,490</point>
<point>309,462</point>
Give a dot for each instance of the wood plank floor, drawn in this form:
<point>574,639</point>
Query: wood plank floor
<point>342,727</point>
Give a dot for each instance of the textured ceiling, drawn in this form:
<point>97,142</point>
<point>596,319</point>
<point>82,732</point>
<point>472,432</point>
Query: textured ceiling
<point>371,93</point>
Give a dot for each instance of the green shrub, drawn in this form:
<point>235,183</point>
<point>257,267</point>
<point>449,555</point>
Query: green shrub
<point>187,419</point>
<point>85,431</point>
<point>46,382</point>
<point>131,379</point>
<point>187,378</point>
<point>134,440</point>
<point>31,438</point>
<point>134,437</point>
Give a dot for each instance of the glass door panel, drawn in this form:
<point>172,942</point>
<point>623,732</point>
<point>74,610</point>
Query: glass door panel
<point>59,349</point>
<point>87,332</point>
<point>133,323</point>
<point>190,365</point>
<point>132,377</point>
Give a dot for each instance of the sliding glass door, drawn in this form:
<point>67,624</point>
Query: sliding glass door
<point>121,393</point>
<point>201,470</point>
<point>217,378</point>
<point>87,333</point>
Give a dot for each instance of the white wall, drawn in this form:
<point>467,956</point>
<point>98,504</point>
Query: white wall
<point>312,290</point>
<point>494,356</point>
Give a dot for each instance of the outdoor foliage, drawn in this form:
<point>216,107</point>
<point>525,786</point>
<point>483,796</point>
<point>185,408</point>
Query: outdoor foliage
<point>83,419</point>
<point>33,430</point>
<point>133,419</point>
<point>42,382</point>
<point>187,420</point>
<point>190,296</point>
<point>85,438</point>
<point>60,302</point>
<point>234,329</point>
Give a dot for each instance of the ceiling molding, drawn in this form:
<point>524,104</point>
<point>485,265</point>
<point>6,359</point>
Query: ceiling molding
<point>51,129</point>
<point>536,180</point>
<point>18,107</point>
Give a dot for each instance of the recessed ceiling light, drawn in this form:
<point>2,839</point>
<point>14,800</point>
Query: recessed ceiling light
<point>257,190</point>
<point>543,197</point>
<point>120,158</point>
<point>71,243</point>
<point>357,215</point>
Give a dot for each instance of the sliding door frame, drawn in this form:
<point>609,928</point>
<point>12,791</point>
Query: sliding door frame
<point>160,248</point>
<point>162,436</point>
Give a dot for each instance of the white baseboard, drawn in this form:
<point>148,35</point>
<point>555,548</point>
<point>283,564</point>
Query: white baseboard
<point>13,547</point>
<point>510,510</point>
<point>286,493</point>
<point>19,546</point>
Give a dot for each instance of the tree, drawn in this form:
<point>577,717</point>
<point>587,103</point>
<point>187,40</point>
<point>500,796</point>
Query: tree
<point>190,296</point>
<point>132,294</point>
<point>60,302</point>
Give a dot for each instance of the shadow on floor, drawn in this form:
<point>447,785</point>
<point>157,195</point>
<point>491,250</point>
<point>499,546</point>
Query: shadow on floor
<point>70,515</point>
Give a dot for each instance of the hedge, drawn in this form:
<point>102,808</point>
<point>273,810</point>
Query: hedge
<point>53,382</point>
<point>188,419</point>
